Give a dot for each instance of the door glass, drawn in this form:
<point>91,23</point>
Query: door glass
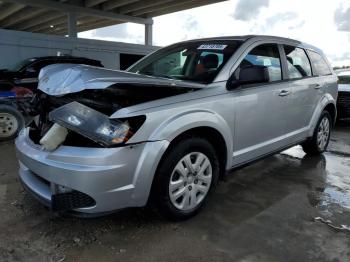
<point>320,65</point>
<point>265,55</point>
<point>297,61</point>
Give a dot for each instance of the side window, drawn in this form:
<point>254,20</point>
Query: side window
<point>265,55</point>
<point>298,62</point>
<point>320,65</point>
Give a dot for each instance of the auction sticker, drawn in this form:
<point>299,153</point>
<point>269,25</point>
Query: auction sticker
<point>212,46</point>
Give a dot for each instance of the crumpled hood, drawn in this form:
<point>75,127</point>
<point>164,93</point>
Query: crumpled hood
<point>61,79</point>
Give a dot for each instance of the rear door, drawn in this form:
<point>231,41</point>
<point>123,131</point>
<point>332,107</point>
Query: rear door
<point>304,90</point>
<point>260,109</point>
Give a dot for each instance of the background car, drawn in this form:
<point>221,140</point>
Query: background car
<point>25,73</point>
<point>343,103</point>
<point>16,89</point>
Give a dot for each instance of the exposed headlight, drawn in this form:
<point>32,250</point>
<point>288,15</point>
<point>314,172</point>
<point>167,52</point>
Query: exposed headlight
<point>95,125</point>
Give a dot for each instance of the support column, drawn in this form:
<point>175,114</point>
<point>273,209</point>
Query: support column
<point>72,24</point>
<point>149,33</point>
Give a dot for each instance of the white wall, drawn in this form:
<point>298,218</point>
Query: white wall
<point>16,46</point>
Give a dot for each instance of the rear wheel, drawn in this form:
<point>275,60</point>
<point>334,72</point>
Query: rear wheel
<point>11,122</point>
<point>320,139</point>
<point>185,177</point>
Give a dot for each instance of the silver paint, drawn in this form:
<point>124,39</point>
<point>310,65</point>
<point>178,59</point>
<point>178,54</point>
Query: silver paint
<point>253,122</point>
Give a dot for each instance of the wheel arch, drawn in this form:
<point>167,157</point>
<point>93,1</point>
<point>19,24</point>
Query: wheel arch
<point>328,103</point>
<point>206,124</point>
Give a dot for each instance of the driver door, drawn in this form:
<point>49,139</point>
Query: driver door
<point>260,109</point>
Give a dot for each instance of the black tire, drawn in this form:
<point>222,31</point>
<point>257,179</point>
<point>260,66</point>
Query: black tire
<point>6,110</point>
<point>311,146</point>
<point>160,194</point>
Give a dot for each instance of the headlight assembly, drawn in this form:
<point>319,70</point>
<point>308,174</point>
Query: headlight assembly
<point>95,125</point>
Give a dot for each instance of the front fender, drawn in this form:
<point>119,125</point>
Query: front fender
<point>324,101</point>
<point>180,123</point>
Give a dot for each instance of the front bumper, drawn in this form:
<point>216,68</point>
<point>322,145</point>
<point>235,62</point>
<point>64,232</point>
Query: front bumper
<point>114,178</point>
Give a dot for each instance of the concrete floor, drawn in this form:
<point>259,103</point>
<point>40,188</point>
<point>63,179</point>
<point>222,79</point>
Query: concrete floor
<point>264,212</point>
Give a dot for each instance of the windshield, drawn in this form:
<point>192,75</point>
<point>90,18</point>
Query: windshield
<point>344,79</point>
<point>18,66</point>
<point>198,61</point>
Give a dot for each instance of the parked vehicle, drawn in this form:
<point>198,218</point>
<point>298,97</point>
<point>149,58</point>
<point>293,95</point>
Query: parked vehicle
<point>343,102</point>
<point>25,73</point>
<point>167,129</point>
<point>15,90</point>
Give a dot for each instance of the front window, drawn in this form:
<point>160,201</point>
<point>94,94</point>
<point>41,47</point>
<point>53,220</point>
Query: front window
<point>198,61</point>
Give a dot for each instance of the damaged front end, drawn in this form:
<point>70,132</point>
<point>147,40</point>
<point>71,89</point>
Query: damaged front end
<point>83,120</point>
<point>74,104</point>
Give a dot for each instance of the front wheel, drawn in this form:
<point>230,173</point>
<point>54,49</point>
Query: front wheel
<point>185,177</point>
<point>320,139</point>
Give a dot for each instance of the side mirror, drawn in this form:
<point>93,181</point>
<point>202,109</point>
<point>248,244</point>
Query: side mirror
<point>250,75</point>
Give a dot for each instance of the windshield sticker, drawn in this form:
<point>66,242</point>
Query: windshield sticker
<point>212,47</point>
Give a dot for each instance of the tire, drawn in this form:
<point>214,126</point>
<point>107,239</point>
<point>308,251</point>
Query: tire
<point>195,187</point>
<point>320,139</point>
<point>11,122</point>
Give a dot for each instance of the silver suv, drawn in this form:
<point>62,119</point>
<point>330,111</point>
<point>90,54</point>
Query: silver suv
<point>165,130</point>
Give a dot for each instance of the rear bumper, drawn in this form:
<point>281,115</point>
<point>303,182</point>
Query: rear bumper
<point>114,178</point>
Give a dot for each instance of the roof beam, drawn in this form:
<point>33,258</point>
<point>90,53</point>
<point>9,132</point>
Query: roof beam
<point>61,25</point>
<point>20,16</point>
<point>87,26</point>
<point>159,7</point>
<point>141,5</point>
<point>9,9</point>
<point>187,5</point>
<point>111,4</point>
<point>43,18</point>
<point>63,7</point>
<point>90,3</point>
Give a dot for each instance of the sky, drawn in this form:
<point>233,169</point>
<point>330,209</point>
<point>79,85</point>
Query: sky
<point>323,23</point>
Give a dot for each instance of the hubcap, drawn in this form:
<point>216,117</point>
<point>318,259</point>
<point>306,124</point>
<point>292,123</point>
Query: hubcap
<point>190,181</point>
<point>323,133</point>
<point>8,125</point>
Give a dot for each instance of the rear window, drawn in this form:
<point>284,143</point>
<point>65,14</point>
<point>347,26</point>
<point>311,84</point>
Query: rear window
<point>320,65</point>
<point>298,63</point>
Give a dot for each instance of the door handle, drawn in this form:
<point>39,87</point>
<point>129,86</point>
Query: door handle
<point>316,86</point>
<point>284,93</point>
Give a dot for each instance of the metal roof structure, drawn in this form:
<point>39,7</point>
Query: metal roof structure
<point>67,17</point>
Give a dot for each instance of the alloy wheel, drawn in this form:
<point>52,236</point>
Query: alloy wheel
<point>323,133</point>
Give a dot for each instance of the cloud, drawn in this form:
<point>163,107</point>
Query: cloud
<point>297,26</point>
<point>248,9</point>
<point>280,18</point>
<point>342,18</point>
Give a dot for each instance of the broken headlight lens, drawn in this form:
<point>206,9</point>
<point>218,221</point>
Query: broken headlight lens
<point>93,124</point>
